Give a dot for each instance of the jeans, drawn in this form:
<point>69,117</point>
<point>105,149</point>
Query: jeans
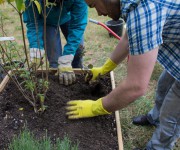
<point>54,47</point>
<point>165,114</point>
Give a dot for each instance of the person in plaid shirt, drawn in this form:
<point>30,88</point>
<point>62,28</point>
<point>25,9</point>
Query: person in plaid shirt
<point>153,33</point>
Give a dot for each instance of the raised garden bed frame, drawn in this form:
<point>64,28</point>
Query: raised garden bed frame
<point>80,71</point>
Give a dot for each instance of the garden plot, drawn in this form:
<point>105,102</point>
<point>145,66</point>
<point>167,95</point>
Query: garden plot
<point>98,133</point>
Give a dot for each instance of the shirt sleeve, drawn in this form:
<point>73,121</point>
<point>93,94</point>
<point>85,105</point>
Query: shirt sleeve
<point>145,26</point>
<point>34,27</point>
<point>77,26</point>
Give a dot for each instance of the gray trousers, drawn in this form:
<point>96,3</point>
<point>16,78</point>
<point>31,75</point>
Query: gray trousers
<point>165,114</point>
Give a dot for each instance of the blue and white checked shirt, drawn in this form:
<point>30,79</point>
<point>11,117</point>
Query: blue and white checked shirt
<point>153,23</point>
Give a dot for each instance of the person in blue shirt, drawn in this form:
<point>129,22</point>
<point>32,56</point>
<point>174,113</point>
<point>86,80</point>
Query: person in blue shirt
<point>71,17</point>
<point>152,33</point>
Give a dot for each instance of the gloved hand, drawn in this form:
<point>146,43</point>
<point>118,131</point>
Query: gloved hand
<point>85,109</point>
<point>97,71</point>
<point>36,56</point>
<point>66,73</point>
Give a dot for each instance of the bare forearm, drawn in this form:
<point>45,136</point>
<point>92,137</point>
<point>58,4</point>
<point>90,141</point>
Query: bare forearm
<point>139,71</point>
<point>121,51</point>
<point>121,96</point>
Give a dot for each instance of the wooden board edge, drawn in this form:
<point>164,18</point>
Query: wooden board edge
<point>5,81</point>
<point>7,78</point>
<point>117,117</point>
<point>54,70</point>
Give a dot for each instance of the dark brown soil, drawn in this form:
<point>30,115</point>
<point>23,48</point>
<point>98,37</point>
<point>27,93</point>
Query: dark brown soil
<point>98,133</point>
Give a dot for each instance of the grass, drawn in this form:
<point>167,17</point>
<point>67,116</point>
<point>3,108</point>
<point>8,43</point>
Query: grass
<point>27,141</point>
<point>98,47</point>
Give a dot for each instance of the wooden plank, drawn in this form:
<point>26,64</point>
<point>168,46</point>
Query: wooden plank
<point>76,70</point>
<point>5,81</point>
<point>118,123</point>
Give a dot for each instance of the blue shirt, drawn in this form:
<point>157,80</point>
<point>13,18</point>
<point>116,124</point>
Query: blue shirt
<point>153,23</point>
<point>74,11</point>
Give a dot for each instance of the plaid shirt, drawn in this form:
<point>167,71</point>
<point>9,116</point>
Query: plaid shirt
<point>153,23</point>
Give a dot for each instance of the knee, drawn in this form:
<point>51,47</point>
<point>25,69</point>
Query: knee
<point>81,48</point>
<point>168,125</point>
<point>80,51</point>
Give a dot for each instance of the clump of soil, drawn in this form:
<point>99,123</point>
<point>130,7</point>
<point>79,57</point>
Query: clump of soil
<point>98,133</point>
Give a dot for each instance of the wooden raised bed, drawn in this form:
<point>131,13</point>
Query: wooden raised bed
<point>78,71</point>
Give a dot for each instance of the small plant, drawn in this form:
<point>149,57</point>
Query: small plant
<point>66,144</point>
<point>27,141</point>
<point>32,85</point>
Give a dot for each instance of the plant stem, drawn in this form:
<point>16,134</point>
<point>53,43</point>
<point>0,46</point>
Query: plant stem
<point>45,48</point>
<point>18,86</point>
<point>25,49</point>
<point>7,56</point>
<point>35,108</point>
<point>24,42</point>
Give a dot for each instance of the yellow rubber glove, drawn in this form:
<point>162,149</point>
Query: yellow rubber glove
<point>97,71</point>
<point>85,109</point>
<point>66,73</point>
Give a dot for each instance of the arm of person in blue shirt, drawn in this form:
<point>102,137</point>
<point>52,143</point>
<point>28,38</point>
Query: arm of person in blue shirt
<point>77,27</point>
<point>76,30</point>
<point>34,23</point>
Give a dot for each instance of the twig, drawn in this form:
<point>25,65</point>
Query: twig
<point>45,48</point>
<point>18,86</point>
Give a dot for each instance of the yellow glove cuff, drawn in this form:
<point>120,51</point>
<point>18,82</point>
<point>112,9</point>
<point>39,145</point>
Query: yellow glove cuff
<point>66,69</point>
<point>98,109</point>
<point>108,66</point>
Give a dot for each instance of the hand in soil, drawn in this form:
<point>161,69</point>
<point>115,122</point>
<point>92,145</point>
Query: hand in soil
<point>85,109</point>
<point>67,76</point>
<point>93,74</point>
<point>99,71</point>
<point>66,73</point>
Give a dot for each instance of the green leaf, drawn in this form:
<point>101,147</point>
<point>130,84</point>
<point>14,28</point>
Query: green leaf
<point>20,5</point>
<point>41,97</point>
<point>23,7</point>
<point>38,6</point>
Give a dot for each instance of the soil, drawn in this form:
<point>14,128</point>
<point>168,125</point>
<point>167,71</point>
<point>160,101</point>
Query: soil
<point>98,133</point>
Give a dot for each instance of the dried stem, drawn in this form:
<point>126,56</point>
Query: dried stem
<point>7,56</point>
<point>45,48</point>
<point>18,86</point>
<point>24,42</point>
